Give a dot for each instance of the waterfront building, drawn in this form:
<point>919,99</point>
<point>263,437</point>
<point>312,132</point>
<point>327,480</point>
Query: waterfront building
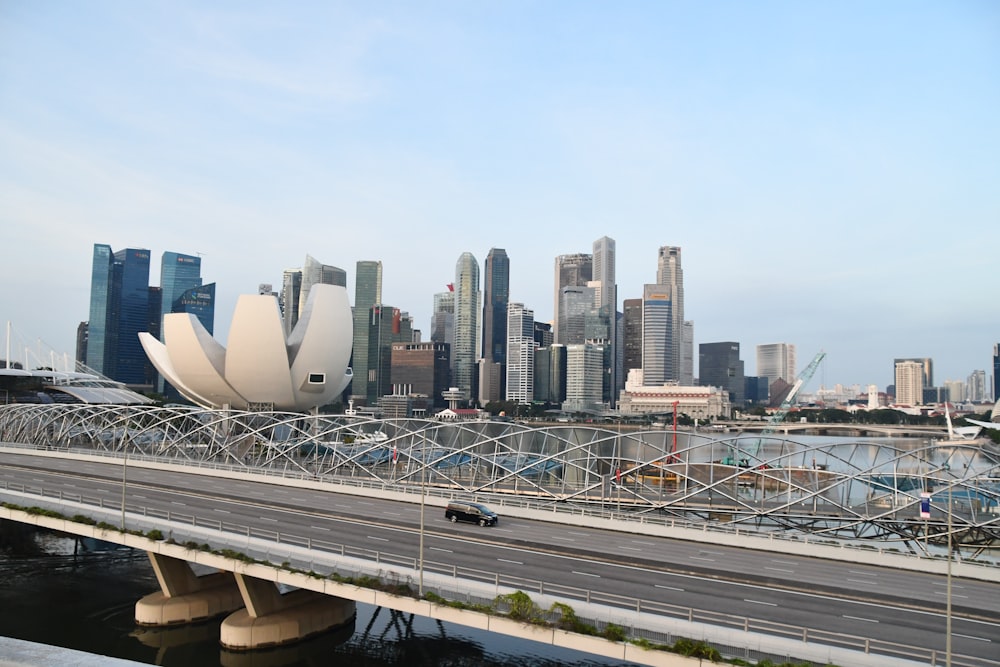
<point>584,378</point>
<point>467,309</point>
<point>520,354</point>
<point>719,365</point>
<point>670,276</point>
<point>574,270</point>
<point>631,338</point>
<point>909,377</point>
<point>119,312</point>
<point>641,398</point>
<point>421,371</point>
<point>776,361</point>
<point>367,294</point>
<point>658,335</point>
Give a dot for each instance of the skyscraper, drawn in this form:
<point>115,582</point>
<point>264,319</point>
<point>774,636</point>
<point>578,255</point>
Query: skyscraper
<point>178,274</point>
<point>496,294</point>
<point>909,377</point>
<point>658,333</point>
<point>119,310</point>
<point>367,293</point>
<point>996,371</point>
<point>631,335</point>
<point>520,353</point>
<point>574,270</point>
<point>606,302</point>
<point>719,365</point>
<point>776,360</point>
<point>467,309</point>
<point>669,274</point>
<point>927,369</point>
<point>315,272</point>
<point>291,290</point>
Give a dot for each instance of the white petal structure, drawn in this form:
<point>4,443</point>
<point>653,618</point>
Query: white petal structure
<point>260,367</point>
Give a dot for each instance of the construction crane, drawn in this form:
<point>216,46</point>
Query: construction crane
<point>779,415</point>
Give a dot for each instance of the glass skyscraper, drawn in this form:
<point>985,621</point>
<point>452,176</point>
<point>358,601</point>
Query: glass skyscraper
<point>367,294</point>
<point>496,295</point>
<point>464,350</point>
<point>119,310</point>
<point>178,275</point>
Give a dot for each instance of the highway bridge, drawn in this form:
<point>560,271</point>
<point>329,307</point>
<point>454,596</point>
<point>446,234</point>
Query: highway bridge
<point>658,575</point>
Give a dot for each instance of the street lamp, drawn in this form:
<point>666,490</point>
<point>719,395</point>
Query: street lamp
<point>124,477</point>
<point>423,495</point>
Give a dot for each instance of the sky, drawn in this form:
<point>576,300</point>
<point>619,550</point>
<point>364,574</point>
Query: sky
<point>831,170</point>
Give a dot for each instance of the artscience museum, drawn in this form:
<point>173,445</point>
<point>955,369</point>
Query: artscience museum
<point>260,368</point>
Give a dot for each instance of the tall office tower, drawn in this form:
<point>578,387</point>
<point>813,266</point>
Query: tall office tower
<point>490,381</point>
<point>719,365</point>
<point>496,295</point>
<point>421,370</point>
<point>631,335</point>
<point>584,377</point>
<point>976,387</point>
<point>573,310</point>
<point>542,389</point>
<point>520,353</point>
<point>443,319</point>
<point>996,372</point>
<point>378,369</point>
<point>291,290</point>
<point>542,334</point>
<point>119,310</point>
<point>200,302</point>
<point>571,271</point>
<point>606,303</point>
<point>670,273</point>
<point>178,274</point>
<point>926,366</point>
<point>776,360</point>
<point>687,354</point>
<point>82,334</point>
<point>464,352</point>
<point>658,336</point>
<point>367,294</point>
<point>315,272</point>
<point>909,382</point>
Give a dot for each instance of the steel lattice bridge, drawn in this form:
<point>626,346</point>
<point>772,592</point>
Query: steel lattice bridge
<point>914,492</point>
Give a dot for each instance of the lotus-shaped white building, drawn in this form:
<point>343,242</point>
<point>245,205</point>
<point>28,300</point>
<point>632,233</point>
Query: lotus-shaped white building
<point>260,367</point>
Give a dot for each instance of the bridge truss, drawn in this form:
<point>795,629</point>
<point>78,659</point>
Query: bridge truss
<point>841,487</point>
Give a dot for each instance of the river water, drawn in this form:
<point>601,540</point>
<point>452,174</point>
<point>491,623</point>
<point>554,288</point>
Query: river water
<point>85,601</point>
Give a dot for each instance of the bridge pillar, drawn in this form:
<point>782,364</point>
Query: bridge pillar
<point>185,597</point>
<point>270,618</point>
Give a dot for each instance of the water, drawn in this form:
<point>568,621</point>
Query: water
<point>86,600</point>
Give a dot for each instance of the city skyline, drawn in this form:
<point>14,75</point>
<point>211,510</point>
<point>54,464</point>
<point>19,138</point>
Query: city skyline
<point>832,197</point>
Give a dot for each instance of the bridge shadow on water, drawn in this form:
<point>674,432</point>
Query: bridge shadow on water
<point>84,598</point>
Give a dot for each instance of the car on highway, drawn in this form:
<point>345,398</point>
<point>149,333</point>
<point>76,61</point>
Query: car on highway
<point>467,511</point>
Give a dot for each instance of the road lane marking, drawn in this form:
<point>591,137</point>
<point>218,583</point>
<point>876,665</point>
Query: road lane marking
<point>220,510</point>
<point>952,595</point>
<point>978,639</point>
<point>779,569</point>
<point>513,562</point>
<point>447,551</point>
<point>177,502</point>
<point>867,582</point>
<point>380,539</point>
<point>859,618</point>
<point>669,588</point>
<point>769,604</point>
<point>587,574</point>
<point>710,560</point>
<point>630,548</point>
<point>267,518</point>
<point>320,528</point>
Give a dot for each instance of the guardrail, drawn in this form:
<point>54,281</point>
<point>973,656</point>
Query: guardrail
<point>381,559</point>
<point>508,501</point>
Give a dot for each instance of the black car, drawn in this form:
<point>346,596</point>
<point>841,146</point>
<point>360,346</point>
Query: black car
<point>474,512</point>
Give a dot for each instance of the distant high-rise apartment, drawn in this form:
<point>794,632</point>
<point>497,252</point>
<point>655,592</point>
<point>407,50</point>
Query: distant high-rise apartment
<point>776,360</point>
<point>658,342</point>
<point>954,390</point>
<point>520,353</point>
<point>367,294</point>
<point>976,387</point>
<point>670,274</point>
<point>909,382</point>
<point>119,311</point>
<point>719,365</point>
<point>467,309</point>
<point>575,270</point>
<point>927,369</point>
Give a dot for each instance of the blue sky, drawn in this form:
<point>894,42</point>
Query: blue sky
<point>830,169</point>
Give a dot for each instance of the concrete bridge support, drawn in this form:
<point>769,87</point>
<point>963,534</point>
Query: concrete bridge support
<point>270,618</point>
<point>185,597</point>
